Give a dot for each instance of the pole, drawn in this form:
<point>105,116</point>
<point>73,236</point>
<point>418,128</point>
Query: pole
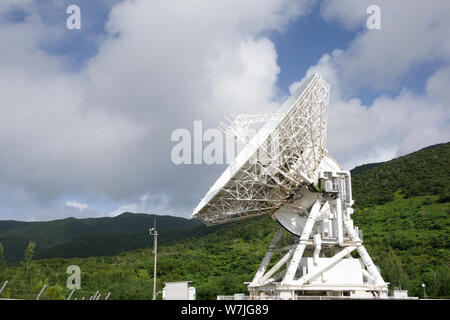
<point>424,293</point>
<point>42,290</point>
<point>70,295</point>
<point>4,285</point>
<point>154,270</point>
<point>154,233</point>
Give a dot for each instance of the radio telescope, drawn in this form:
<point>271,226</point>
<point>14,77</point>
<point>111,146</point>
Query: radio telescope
<point>285,171</point>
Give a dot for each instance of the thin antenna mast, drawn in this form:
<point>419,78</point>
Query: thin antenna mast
<point>154,233</point>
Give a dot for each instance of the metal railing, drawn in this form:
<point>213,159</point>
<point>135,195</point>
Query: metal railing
<point>17,291</point>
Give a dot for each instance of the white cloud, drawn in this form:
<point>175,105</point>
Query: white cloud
<point>403,121</point>
<point>349,15</point>
<point>77,205</point>
<point>388,128</point>
<point>244,76</point>
<point>6,5</point>
<point>105,130</point>
<point>412,34</point>
<point>146,203</point>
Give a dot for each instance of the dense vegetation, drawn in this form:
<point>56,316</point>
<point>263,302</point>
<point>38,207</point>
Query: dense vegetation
<point>72,237</point>
<point>218,263</point>
<point>424,172</point>
<point>407,235</point>
<point>409,240</point>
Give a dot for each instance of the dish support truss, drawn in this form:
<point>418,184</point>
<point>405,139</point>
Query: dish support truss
<point>327,226</point>
<point>281,158</point>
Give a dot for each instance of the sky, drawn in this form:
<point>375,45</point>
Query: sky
<point>87,114</point>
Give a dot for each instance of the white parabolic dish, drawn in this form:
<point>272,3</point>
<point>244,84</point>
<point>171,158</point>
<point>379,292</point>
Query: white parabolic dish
<point>281,162</point>
<point>285,171</point>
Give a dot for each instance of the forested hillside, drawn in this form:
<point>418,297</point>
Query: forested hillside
<point>88,237</point>
<point>407,239</point>
<point>424,172</point>
<point>406,233</point>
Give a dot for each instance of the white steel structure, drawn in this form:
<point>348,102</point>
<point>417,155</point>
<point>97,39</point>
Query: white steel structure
<point>285,171</point>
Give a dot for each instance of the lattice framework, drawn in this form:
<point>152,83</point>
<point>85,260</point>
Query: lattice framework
<point>285,160</point>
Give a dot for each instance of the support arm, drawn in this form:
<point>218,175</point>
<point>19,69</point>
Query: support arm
<point>265,262</point>
<point>295,261</point>
<point>363,253</point>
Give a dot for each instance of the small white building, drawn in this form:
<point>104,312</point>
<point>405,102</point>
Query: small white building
<point>180,290</point>
<point>400,294</point>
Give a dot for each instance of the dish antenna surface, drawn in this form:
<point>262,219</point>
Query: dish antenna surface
<point>285,171</point>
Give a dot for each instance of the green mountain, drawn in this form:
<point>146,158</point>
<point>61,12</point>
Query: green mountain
<point>88,237</point>
<point>424,172</point>
<point>405,229</point>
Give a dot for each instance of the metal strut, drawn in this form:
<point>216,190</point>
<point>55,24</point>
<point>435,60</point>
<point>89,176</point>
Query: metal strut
<point>298,253</point>
<point>266,260</point>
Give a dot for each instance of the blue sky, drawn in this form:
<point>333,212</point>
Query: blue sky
<point>303,42</point>
<point>88,114</point>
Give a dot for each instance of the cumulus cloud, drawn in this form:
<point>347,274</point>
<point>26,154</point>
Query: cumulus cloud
<point>102,133</point>
<point>105,129</point>
<point>403,120</point>
<point>7,5</point>
<point>412,34</point>
<point>77,205</point>
<point>146,203</point>
<point>389,127</point>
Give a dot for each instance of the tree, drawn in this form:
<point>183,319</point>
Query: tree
<point>29,252</point>
<point>2,256</point>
